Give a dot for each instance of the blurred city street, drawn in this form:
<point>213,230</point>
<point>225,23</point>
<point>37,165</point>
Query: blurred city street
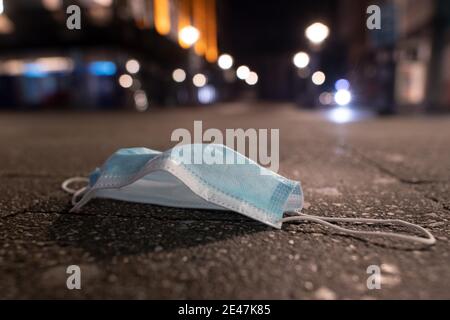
<point>358,89</point>
<point>375,168</point>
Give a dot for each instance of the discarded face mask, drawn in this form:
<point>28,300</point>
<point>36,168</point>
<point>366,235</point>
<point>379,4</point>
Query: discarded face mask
<point>176,178</point>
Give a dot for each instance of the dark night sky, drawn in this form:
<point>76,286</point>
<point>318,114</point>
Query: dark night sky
<point>251,28</point>
<point>266,34</point>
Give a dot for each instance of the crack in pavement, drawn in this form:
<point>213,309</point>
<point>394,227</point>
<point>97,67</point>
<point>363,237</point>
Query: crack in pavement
<point>400,179</point>
<point>392,174</point>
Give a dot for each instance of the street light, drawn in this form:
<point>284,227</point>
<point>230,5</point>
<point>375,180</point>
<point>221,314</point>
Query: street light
<point>179,75</point>
<point>206,94</point>
<point>317,32</point>
<point>189,35</point>
<point>252,78</point>
<point>125,81</point>
<point>301,60</point>
<point>318,78</point>
<point>343,97</point>
<point>342,84</point>
<point>199,80</point>
<point>243,72</point>
<point>132,66</point>
<point>225,61</point>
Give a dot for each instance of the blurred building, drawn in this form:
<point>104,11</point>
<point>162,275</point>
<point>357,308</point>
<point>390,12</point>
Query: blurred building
<point>404,67</point>
<point>140,54</point>
<point>416,54</point>
<point>124,54</point>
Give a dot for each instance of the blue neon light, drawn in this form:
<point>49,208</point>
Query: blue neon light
<point>102,68</point>
<point>34,70</point>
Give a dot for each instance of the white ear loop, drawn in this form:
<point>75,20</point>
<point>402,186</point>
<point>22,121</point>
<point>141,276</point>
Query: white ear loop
<point>76,193</point>
<point>429,240</point>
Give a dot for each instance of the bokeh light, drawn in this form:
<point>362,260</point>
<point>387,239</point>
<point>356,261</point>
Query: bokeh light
<point>189,35</point>
<point>252,78</point>
<point>225,61</point>
<point>125,81</point>
<point>102,68</point>
<point>206,94</point>
<point>318,78</point>
<point>132,66</point>
<point>199,80</point>
<point>301,60</point>
<point>343,97</point>
<point>317,32</point>
<point>243,72</point>
<point>179,75</point>
<point>342,84</point>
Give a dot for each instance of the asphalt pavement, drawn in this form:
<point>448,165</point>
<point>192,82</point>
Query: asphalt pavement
<point>388,168</point>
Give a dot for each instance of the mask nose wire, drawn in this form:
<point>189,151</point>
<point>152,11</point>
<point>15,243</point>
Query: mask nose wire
<point>429,240</point>
<point>75,192</point>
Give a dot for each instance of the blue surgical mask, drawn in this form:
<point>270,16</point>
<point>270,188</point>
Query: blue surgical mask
<point>206,176</point>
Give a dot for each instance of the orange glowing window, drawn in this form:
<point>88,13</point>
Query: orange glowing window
<point>200,24</point>
<point>211,31</point>
<point>162,16</point>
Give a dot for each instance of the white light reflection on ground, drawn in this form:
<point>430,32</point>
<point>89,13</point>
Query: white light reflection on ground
<point>346,114</point>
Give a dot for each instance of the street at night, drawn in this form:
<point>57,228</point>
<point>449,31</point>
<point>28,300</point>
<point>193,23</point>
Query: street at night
<point>375,168</point>
<point>223,158</point>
